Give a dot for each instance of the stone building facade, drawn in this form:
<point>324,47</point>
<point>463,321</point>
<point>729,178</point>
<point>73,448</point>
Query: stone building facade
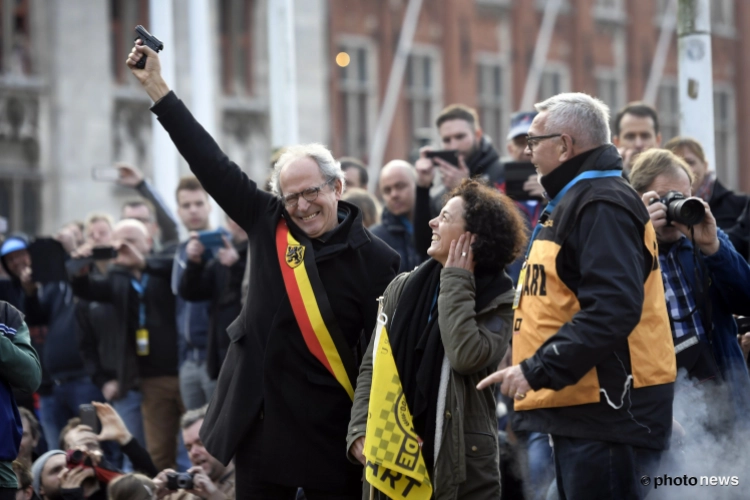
<point>68,103</point>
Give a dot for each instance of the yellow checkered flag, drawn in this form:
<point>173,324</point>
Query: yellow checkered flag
<point>394,456</point>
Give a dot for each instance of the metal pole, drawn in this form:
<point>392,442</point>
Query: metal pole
<point>380,138</point>
<point>282,73</point>
<point>668,23</point>
<point>696,90</point>
<point>165,166</point>
<point>202,74</point>
<point>543,40</point>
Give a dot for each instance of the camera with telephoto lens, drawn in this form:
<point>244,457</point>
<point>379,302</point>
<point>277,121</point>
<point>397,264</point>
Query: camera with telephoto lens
<point>179,481</point>
<point>75,458</point>
<point>687,211</point>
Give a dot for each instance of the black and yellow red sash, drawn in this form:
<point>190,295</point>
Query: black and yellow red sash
<point>312,310</point>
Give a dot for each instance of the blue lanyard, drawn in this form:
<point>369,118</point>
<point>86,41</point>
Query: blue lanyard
<point>434,302</point>
<point>140,288</point>
<point>591,174</point>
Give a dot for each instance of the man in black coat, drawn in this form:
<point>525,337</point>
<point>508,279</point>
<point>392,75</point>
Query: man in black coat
<point>397,186</point>
<point>218,280</point>
<point>138,285</point>
<point>278,407</point>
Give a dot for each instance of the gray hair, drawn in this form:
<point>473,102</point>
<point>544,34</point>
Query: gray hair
<point>192,416</point>
<point>329,167</point>
<point>583,117</point>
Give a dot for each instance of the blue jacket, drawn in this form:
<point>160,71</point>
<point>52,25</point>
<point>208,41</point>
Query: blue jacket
<point>19,369</point>
<point>729,290</point>
<point>192,317</point>
<point>398,233</point>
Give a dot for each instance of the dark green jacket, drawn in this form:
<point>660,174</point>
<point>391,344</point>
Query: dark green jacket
<point>466,466</point>
<point>19,369</point>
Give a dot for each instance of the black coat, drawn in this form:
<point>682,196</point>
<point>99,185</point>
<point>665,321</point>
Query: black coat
<point>221,285</point>
<point>729,211</point>
<point>740,233</point>
<point>396,235</point>
<point>115,288</point>
<point>726,206</point>
<point>272,393</point>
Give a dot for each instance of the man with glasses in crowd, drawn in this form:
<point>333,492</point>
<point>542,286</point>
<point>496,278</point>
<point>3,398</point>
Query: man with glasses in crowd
<point>593,359</point>
<point>284,394</point>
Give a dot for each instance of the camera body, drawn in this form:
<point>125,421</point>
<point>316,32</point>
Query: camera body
<point>75,458</point>
<point>687,211</point>
<point>179,481</point>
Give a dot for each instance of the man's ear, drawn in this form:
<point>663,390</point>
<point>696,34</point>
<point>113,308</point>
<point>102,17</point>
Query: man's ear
<point>566,148</point>
<point>658,140</point>
<point>338,188</point>
<point>478,132</point>
<point>616,140</point>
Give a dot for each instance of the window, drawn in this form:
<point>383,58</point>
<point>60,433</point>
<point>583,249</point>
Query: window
<point>235,20</point>
<point>725,141</point>
<point>422,95</point>
<point>609,10</point>
<point>551,83</point>
<point>610,90</point>
<point>15,56</point>
<point>722,17</point>
<point>668,106</point>
<point>358,98</point>
<point>125,15</point>
<point>491,99</point>
<point>20,178</point>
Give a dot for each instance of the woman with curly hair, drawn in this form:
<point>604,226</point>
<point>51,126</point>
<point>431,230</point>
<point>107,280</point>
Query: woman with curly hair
<point>449,323</point>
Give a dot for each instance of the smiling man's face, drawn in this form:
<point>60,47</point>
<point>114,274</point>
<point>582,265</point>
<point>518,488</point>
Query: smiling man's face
<point>315,217</point>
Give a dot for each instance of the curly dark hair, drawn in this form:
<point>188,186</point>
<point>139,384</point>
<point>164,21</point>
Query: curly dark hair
<point>496,221</point>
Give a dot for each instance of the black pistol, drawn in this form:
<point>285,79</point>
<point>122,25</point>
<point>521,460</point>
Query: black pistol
<point>150,41</point>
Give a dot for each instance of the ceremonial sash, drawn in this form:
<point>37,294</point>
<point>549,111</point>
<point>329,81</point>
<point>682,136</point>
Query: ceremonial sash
<point>395,465</point>
<point>312,310</point>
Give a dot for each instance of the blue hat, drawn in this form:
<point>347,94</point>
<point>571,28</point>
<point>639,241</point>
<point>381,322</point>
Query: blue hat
<point>520,123</point>
<point>11,245</point>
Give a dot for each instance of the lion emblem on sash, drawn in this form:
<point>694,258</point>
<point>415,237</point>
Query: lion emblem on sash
<point>295,254</point>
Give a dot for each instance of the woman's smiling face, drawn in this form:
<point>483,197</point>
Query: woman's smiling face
<point>446,227</point>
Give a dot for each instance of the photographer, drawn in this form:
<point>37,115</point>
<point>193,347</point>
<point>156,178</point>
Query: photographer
<point>77,436</point>
<point>208,478</point>
<point>139,287</point>
<point>706,282</point>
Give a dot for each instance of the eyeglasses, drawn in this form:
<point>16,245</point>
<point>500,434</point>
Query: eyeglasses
<point>532,140</point>
<point>309,194</point>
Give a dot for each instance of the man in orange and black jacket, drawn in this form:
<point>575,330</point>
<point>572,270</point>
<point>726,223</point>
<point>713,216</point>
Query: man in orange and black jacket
<point>593,359</point>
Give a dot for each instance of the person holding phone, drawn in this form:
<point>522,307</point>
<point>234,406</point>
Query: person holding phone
<point>193,316</point>
<point>459,130</point>
<point>218,280</point>
<point>144,334</point>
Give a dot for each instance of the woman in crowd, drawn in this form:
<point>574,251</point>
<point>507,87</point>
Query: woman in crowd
<point>132,487</point>
<point>449,323</point>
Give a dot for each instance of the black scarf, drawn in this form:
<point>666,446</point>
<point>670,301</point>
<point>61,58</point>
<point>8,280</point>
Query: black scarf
<point>418,348</point>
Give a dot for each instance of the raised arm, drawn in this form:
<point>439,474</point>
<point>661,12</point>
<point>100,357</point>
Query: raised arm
<point>237,195</point>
